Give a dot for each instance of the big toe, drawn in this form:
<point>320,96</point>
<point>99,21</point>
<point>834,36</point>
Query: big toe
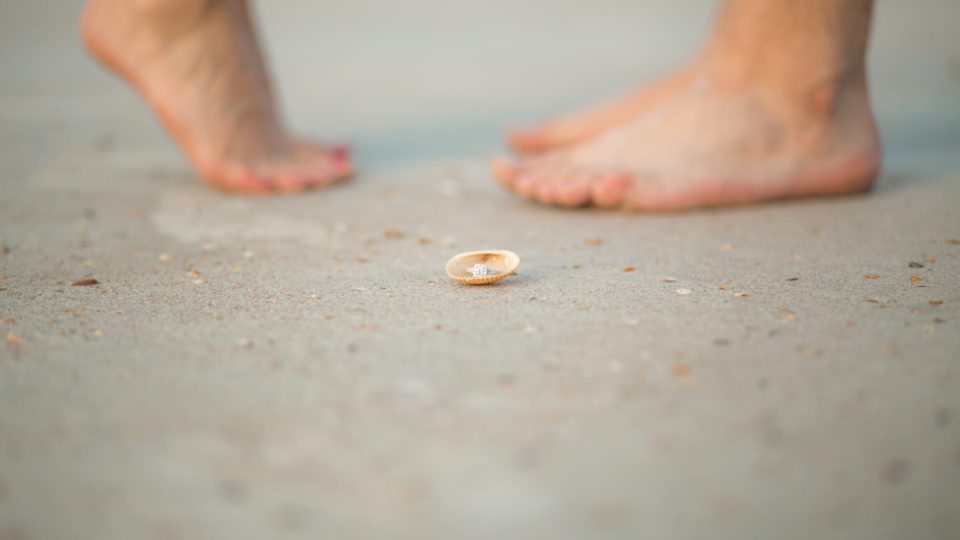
<point>610,190</point>
<point>526,140</point>
<point>505,172</point>
<point>319,166</point>
<point>310,166</point>
<point>235,179</point>
<point>574,192</point>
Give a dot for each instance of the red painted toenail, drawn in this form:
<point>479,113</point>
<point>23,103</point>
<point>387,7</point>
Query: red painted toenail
<point>340,153</point>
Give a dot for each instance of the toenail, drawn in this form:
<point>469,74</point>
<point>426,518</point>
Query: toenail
<point>340,153</point>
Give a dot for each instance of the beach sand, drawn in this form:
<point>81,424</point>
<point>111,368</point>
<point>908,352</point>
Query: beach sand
<point>302,366</point>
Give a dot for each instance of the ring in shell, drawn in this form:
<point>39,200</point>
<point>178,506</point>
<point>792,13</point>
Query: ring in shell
<point>482,267</point>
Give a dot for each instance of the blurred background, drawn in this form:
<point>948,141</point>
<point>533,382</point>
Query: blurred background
<point>429,80</point>
<point>262,368</point>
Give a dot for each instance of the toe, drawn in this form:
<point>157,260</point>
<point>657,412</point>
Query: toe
<point>527,184</point>
<point>548,179</point>
<point>610,190</point>
<point>558,186</point>
<point>534,139</point>
<point>290,182</point>
<point>545,190</point>
<point>339,165</point>
<point>570,130</point>
<point>548,136</point>
<point>323,165</point>
<point>505,172</point>
<point>235,179</point>
<point>309,165</point>
<point>574,192</point>
<point>253,183</point>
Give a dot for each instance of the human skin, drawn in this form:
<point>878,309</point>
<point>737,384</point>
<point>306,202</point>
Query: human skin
<point>199,65</point>
<point>775,106</point>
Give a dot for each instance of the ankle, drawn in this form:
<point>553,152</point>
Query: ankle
<point>177,12</point>
<point>810,89</point>
<point>812,48</point>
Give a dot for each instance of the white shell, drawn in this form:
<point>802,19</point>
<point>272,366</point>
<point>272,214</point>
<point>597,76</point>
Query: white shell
<point>503,262</point>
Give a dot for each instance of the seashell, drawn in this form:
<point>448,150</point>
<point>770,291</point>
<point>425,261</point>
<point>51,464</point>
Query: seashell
<point>482,267</point>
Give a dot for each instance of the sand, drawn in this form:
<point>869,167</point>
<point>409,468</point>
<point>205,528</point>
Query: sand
<point>303,367</point>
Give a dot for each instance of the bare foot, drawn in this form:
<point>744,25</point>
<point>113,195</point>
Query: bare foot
<point>586,124</point>
<point>707,146</point>
<point>776,107</point>
<point>198,64</point>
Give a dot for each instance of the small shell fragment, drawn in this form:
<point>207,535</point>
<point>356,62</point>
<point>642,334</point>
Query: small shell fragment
<point>482,267</point>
